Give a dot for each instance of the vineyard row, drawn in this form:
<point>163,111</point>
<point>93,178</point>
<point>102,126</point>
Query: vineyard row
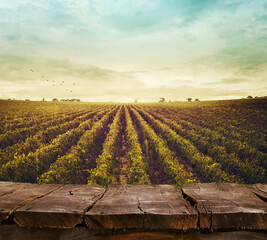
<point>144,143</point>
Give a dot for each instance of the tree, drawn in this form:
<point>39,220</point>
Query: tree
<point>189,99</point>
<point>54,100</point>
<point>196,100</point>
<point>162,99</point>
<point>249,97</point>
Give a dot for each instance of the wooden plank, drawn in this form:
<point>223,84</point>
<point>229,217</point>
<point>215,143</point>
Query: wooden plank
<point>117,209</point>
<point>259,189</point>
<point>227,206</point>
<point>9,187</point>
<point>23,193</point>
<point>167,209</point>
<point>63,208</point>
<point>142,207</point>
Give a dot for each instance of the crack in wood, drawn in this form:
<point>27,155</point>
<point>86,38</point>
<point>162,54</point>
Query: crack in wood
<point>260,197</point>
<point>228,205</point>
<point>163,198</point>
<point>17,221</point>
<point>256,185</point>
<point>140,208</point>
<point>13,190</point>
<point>211,220</point>
<point>193,202</point>
<point>263,198</point>
<point>97,223</point>
<point>92,205</point>
<point>199,189</point>
<point>6,193</point>
<point>30,200</point>
<point>207,208</point>
<point>139,205</point>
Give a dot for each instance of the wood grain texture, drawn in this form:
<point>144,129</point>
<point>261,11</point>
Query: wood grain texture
<point>22,194</point>
<point>63,208</point>
<point>259,189</point>
<point>9,187</point>
<point>208,206</point>
<point>227,206</point>
<point>142,207</point>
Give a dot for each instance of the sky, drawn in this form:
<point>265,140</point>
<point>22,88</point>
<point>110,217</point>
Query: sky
<point>119,50</point>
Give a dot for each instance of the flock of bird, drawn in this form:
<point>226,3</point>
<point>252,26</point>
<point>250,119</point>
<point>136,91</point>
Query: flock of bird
<point>54,83</point>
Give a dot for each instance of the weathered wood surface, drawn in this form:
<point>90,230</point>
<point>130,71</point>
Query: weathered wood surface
<point>8,187</point>
<point>227,206</point>
<point>163,207</point>
<point>260,190</point>
<point>142,207</point>
<point>63,208</point>
<point>19,194</point>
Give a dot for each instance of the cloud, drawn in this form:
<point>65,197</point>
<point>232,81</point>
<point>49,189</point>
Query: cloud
<point>233,80</point>
<point>229,81</point>
<point>91,83</point>
<point>182,82</point>
<point>192,10</point>
<point>244,35</point>
<point>17,68</point>
<point>174,93</point>
<point>100,18</point>
<point>242,60</point>
<point>27,77</point>
<point>154,16</point>
<point>106,46</point>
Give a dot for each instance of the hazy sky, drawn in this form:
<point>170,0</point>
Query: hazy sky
<point>119,50</point>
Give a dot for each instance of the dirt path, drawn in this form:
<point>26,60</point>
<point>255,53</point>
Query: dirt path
<point>122,168</point>
<point>155,170</point>
<point>122,164</point>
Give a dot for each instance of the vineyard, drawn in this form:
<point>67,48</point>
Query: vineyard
<point>152,143</point>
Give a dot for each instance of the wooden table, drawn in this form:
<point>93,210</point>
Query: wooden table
<point>207,206</point>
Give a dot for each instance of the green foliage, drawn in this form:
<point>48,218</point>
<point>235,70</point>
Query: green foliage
<point>205,166</point>
<point>104,171</point>
<point>223,141</point>
<point>235,157</point>
<point>71,168</point>
<point>170,164</point>
<point>138,166</point>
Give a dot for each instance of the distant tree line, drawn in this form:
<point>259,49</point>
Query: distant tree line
<point>66,100</point>
<point>161,99</point>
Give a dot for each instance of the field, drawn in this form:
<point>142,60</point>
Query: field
<point>155,143</point>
